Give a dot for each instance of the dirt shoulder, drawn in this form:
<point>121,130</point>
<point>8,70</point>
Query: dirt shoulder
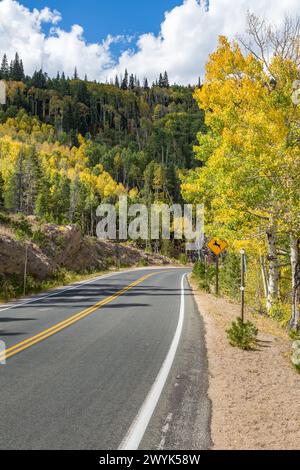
<point>255,395</point>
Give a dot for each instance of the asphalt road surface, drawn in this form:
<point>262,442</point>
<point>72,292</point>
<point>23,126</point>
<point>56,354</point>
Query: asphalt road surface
<point>116,362</point>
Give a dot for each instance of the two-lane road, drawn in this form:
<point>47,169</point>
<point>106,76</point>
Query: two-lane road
<point>88,365</point>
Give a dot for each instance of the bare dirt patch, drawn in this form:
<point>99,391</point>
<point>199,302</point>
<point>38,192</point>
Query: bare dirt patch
<point>255,394</point>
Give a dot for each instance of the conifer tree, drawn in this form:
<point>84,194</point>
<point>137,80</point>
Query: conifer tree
<point>124,85</point>
<point>166,83</point>
<point>117,82</point>
<point>4,70</point>
<point>131,82</point>
<point>17,69</point>
<point>43,200</point>
<point>32,181</point>
<point>146,85</point>
<point>160,81</point>
<point>14,196</point>
<point>39,79</point>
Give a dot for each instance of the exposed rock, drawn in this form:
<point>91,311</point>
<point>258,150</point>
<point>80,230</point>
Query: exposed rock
<point>65,247</point>
<point>12,259</point>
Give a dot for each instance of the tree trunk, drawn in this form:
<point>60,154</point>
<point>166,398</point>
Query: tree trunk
<point>295,265</point>
<point>264,274</point>
<point>273,284</point>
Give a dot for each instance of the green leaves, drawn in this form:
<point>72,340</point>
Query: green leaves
<point>242,335</point>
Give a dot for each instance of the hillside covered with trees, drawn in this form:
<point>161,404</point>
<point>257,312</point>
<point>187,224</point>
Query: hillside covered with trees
<point>68,144</point>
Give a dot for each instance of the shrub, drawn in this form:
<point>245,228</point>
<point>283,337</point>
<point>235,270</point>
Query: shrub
<point>39,238</point>
<point>242,335</point>
<point>281,312</point>
<point>143,263</point>
<point>230,275</point>
<point>166,248</point>
<point>204,274</point>
<point>294,335</point>
<point>4,218</point>
<point>297,367</point>
<point>10,287</point>
<point>183,258</point>
<point>109,261</point>
<point>61,242</point>
<point>296,355</point>
<point>7,290</point>
<point>22,229</point>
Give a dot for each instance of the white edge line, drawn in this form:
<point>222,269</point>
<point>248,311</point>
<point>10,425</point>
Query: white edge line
<point>138,428</point>
<point>76,286</point>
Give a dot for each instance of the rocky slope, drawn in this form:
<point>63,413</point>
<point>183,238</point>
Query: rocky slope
<point>54,247</point>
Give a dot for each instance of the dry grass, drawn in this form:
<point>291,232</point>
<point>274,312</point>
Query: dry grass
<point>6,231</point>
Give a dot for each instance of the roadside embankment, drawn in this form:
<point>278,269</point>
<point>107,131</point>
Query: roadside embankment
<point>53,252</point>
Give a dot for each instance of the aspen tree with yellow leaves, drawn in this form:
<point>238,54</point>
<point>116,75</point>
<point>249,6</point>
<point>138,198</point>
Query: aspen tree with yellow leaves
<point>250,156</point>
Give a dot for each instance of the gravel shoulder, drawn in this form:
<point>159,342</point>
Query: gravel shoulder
<point>255,395</point>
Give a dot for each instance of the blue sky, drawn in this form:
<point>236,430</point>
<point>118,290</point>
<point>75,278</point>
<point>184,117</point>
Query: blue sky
<point>102,17</point>
<point>86,34</point>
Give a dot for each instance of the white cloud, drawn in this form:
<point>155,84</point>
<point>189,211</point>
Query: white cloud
<point>21,30</point>
<point>188,34</point>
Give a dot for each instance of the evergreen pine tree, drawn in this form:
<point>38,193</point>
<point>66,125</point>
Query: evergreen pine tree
<point>4,70</point>
<point>124,85</point>
<point>166,83</point>
<point>39,79</point>
<point>31,181</point>
<point>131,82</point>
<point>161,81</point>
<point>117,82</point>
<point>81,92</point>
<point>14,196</point>
<point>43,200</point>
<point>11,70</point>
<point>17,69</point>
<point>64,86</point>
<point>22,74</point>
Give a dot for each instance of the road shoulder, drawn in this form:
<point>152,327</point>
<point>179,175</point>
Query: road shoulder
<point>254,395</point>
<point>182,417</point>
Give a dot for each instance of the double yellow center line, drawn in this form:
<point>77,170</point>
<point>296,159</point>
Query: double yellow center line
<point>68,322</point>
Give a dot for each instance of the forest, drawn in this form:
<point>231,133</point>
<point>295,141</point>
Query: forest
<point>248,177</point>
<point>80,143</point>
<point>232,143</point>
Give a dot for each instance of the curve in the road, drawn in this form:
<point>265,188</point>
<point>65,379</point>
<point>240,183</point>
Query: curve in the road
<point>138,428</point>
<point>19,347</point>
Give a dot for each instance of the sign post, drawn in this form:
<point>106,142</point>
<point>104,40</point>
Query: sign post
<point>25,270</point>
<point>243,259</point>
<point>217,247</point>
<point>217,275</point>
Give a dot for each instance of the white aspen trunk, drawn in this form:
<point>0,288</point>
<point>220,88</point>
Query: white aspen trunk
<point>273,284</point>
<point>295,265</point>
<point>264,275</point>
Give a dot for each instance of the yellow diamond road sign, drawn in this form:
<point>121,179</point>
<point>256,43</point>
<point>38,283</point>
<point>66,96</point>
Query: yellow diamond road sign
<point>217,246</point>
